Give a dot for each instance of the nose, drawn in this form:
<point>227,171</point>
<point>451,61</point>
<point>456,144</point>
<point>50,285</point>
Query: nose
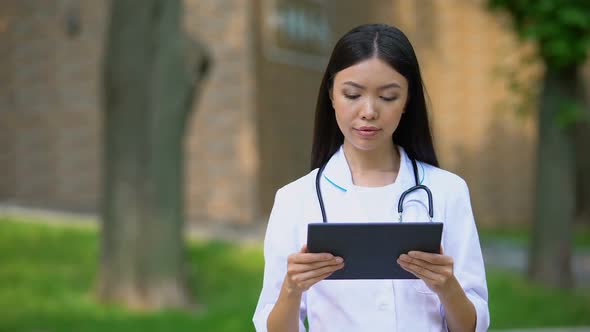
<point>369,112</point>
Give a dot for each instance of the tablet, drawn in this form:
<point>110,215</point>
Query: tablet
<point>371,250</point>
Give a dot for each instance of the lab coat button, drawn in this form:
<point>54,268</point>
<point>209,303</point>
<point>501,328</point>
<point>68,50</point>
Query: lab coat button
<point>382,306</point>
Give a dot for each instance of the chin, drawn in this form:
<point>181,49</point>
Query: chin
<point>367,145</point>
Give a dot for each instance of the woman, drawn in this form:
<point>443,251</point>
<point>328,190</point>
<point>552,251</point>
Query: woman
<point>371,120</point>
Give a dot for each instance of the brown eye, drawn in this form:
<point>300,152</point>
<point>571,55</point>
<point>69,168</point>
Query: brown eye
<point>351,96</point>
<point>389,98</point>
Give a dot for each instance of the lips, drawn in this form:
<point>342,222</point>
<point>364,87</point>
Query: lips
<point>367,131</point>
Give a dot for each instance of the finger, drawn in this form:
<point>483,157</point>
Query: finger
<point>436,259</point>
<point>305,258</point>
<point>302,277</point>
<point>303,249</point>
<point>441,250</point>
<point>419,271</point>
<point>298,268</point>
<point>437,269</point>
<point>420,276</point>
<point>310,282</point>
<point>430,257</point>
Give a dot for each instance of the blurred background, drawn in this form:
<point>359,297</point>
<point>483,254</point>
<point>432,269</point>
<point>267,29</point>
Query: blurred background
<point>247,132</point>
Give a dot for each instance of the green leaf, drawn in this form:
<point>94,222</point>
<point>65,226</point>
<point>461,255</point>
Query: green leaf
<point>574,17</point>
<point>570,112</point>
<point>560,28</point>
<point>546,6</point>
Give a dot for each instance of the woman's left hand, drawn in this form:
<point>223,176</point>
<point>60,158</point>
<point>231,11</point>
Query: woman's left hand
<point>436,270</point>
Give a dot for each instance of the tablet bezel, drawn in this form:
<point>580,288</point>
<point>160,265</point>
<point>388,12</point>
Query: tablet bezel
<point>370,249</point>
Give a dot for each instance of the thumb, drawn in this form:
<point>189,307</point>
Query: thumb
<point>441,250</point>
<point>303,249</point>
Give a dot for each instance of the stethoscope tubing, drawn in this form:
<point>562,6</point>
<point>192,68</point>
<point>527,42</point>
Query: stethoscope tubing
<point>400,204</point>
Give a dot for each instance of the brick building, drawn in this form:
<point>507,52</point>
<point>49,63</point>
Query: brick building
<point>268,57</point>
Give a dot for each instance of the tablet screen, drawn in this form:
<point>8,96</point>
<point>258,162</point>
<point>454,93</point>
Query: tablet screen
<point>371,250</point>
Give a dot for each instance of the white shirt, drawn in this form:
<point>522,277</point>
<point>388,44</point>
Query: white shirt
<point>373,305</point>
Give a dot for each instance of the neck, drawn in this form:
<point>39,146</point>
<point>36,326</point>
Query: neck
<point>375,167</point>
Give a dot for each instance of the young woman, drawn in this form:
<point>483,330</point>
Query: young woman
<point>371,121</point>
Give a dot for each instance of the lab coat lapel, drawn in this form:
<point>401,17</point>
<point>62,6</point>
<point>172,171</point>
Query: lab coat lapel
<point>339,193</point>
<point>337,188</point>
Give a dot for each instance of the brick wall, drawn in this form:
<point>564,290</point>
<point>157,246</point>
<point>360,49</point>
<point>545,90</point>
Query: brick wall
<point>250,132</point>
<point>466,54</point>
<point>49,119</point>
<point>7,127</point>
<point>221,146</point>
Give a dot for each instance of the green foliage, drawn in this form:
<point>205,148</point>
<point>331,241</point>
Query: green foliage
<point>561,28</point>
<point>47,274</point>
<point>570,112</point>
<point>517,303</point>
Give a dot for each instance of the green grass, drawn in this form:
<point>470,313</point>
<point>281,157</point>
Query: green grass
<point>47,274</point>
<point>522,235</point>
<point>517,303</point>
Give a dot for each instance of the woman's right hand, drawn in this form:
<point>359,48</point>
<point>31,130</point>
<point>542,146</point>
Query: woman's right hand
<point>304,269</point>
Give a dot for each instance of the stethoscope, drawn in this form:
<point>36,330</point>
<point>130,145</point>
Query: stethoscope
<point>400,204</point>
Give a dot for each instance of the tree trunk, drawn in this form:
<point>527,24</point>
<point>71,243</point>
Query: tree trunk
<point>550,258</point>
<point>582,155</point>
<point>149,87</point>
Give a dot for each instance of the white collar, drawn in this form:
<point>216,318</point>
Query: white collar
<point>337,171</point>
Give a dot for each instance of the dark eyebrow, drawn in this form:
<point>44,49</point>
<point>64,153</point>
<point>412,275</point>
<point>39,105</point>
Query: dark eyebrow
<point>386,86</point>
<point>390,85</point>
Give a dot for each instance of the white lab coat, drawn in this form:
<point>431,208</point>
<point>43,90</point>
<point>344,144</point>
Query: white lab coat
<point>373,305</point>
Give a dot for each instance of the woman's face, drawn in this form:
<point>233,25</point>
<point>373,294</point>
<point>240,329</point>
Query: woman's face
<point>369,99</point>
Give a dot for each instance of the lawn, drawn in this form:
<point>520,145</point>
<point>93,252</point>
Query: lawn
<point>47,274</point>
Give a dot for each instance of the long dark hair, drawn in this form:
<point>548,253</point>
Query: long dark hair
<point>392,46</point>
